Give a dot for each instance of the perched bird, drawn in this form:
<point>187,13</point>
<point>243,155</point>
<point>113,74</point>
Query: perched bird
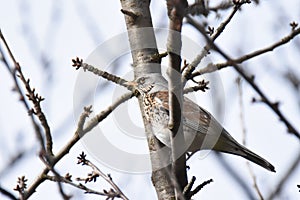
<point>201,130</point>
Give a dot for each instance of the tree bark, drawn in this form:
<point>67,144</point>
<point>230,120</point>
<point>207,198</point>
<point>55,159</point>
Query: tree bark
<point>144,49</point>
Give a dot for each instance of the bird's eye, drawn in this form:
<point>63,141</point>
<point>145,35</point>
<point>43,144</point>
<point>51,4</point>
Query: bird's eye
<point>141,80</point>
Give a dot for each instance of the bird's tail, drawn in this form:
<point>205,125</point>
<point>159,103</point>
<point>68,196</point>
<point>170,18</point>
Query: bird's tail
<point>229,145</point>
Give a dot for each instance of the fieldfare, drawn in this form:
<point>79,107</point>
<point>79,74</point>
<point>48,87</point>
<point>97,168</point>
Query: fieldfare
<point>201,130</point>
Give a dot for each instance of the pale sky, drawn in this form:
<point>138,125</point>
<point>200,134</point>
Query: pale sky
<point>61,30</point>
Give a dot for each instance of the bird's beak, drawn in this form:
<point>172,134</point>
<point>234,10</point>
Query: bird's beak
<point>131,84</point>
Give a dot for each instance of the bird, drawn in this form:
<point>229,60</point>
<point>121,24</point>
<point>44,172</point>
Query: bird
<point>200,129</point>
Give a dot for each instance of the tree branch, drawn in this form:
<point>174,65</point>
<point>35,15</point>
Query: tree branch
<point>176,10</point>
<point>285,178</point>
<point>250,79</point>
<point>7,193</point>
<point>76,137</point>
<point>143,49</point>
<point>17,88</point>
<point>214,67</point>
<point>32,96</point>
<point>97,172</point>
<point>243,125</point>
<point>215,34</point>
<point>78,63</point>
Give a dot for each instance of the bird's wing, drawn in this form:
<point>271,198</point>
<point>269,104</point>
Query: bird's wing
<point>196,117</point>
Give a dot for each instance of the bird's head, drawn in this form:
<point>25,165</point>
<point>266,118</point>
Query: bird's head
<point>145,84</point>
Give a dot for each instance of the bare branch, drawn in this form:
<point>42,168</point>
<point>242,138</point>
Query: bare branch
<point>36,99</point>
<point>78,63</point>
<point>67,180</point>
<point>84,115</point>
<point>129,13</point>
<point>18,89</point>
<point>12,162</point>
<point>57,175</point>
<point>285,178</point>
<point>243,123</point>
<point>255,185</point>
<point>188,188</point>
<point>235,176</point>
<point>250,79</point>
<point>21,186</point>
<point>7,193</point>
<point>97,172</point>
<point>215,67</point>
<point>176,10</point>
<point>188,72</point>
<point>102,115</point>
<point>202,85</point>
<point>76,137</point>
<point>144,62</point>
<point>200,187</point>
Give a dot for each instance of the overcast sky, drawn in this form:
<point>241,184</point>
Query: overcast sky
<point>45,35</point>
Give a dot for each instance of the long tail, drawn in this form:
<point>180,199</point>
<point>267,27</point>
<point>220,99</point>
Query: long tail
<point>229,145</point>
<point>256,159</point>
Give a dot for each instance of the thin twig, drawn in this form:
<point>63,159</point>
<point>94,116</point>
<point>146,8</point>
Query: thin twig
<point>233,172</point>
<point>244,131</point>
<point>18,89</point>
<point>7,193</point>
<point>102,115</point>
<point>285,178</point>
<point>79,186</point>
<point>188,192</point>
<point>21,187</point>
<point>36,99</point>
<point>57,175</point>
<point>12,162</point>
<point>78,63</point>
<point>84,115</point>
<point>202,85</point>
<point>214,67</point>
<point>96,171</point>
<point>188,72</point>
<point>200,187</point>
<point>188,188</point>
<point>33,97</point>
